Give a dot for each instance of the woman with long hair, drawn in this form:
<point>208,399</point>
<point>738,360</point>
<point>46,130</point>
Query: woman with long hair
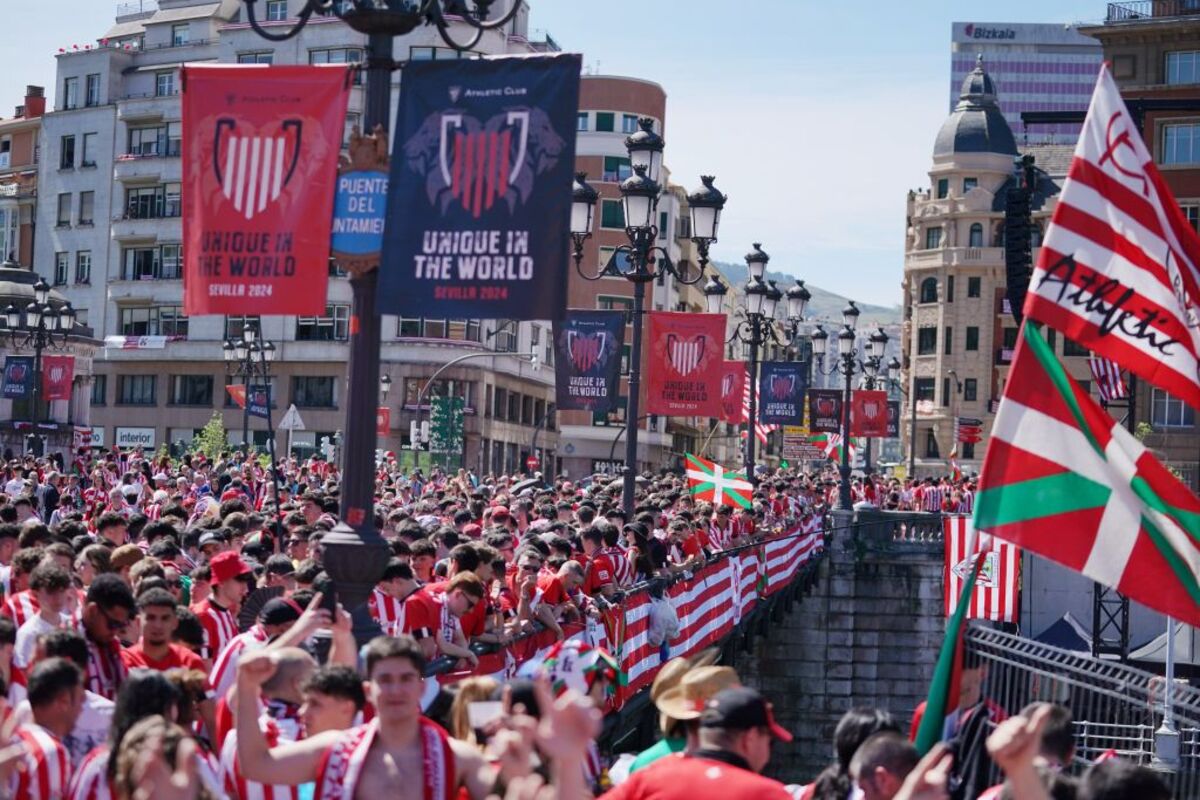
<point>854,728</point>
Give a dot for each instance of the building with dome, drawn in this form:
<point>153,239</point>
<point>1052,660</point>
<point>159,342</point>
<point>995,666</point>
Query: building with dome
<point>958,334</point>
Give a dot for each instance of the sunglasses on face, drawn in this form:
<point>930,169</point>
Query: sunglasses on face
<point>114,624</point>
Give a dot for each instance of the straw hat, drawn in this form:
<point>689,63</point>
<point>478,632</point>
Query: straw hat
<point>669,677</point>
<point>686,701</point>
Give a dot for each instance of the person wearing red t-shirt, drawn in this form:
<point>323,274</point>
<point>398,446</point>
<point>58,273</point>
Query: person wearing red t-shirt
<point>218,613</point>
<point>432,617</point>
<point>599,570</point>
<point>736,731</point>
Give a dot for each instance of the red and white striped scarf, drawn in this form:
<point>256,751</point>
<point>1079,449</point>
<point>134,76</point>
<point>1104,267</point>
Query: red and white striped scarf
<point>106,671</point>
<point>341,766</point>
<point>622,566</point>
<point>22,607</point>
<point>237,785</point>
<point>387,611</point>
<point>47,765</point>
<point>224,670</point>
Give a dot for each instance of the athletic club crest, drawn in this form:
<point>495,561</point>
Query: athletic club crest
<point>253,168</point>
<point>783,386</point>
<point>872,409</point>
<point>474,164</point>
<point>57,373</point>
<point>989,570</point>
<point>686,354</point>
<point>587,350</point>
<point>727,382</point>
<point>16,372</point>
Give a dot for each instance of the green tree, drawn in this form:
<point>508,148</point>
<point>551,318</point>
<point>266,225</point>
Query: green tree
<point>1142,430</point>
<point>212,439</point>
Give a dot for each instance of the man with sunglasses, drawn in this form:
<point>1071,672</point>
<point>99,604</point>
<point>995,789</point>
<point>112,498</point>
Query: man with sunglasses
<point>432,617</point>
<point>106,616</point>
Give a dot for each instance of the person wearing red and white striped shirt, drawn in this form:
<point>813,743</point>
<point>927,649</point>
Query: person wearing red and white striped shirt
<point>931,496</point>
<point>56,700</point>
<point>275,618</point>
<point>386,602</point>
<point>218,614</point>
<point>90,781</point>
<point>722,530</point>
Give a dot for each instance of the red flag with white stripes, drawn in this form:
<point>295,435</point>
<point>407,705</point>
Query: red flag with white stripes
<point>998,585</point>
<point>1107,376</point>
<point>1117,271</point>
<point>760,431</point>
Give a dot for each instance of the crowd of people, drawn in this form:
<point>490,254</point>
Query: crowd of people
<point>168,631</point>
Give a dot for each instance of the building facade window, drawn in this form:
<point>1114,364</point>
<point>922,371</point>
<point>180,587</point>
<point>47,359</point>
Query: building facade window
<point>180,34</point>
<point>614,417</point>
<point>235,327</point>
<point>164,262</point>
<point>975,237</point>
<point>333,326</point>
<point>70,93</point>
<point>10,240</point>
<point>968,450</point>
<point>99,390</point>
<point>605,121</point>
<point>276,10</point>
<point>64,210</point>
<point>87,208</point>
<point>933,238</point>
<point>156,140</point>
<point>1180,144</point>
<point>153,202</point>
<point>256,57</point>
<point>929,292</point>
<point>971,389</point>
<point>164,83</point>
<point>88,156</point>
<point>947,340</point>
<point>931,445</point>
<point>83,266</point>
<point>612,214</point>
<point>629,123</point>
<point>1072,348</point>
<point>154,321</point>
<point>62,268</point>
<point>926,341</point>
<point>616,169</point>
<point>1183,67</point>
<point>581,121</point>
<point>969,184</point>
<point>191,390</point>
<point>974,287</point>
<point>66,152</point>
<point>923,388</point>
<point>506,336</point>
<point>136,390</point>
<point>314,391</point>
<point>338,55</point>
<point>943,188</point>
<point>1167,411</point>
<point>91,94</point>
<point>972,338</point>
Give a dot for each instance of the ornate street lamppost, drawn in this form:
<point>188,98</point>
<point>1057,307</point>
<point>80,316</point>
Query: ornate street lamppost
<point>40,328</point>
<point>642,260</point>
<point>249,358</point>
<point>355,553</point>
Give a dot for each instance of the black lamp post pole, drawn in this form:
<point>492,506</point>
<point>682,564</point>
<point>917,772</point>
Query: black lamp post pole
<point>755,341</point>
<point>844,502</point>
<point>640,276</point>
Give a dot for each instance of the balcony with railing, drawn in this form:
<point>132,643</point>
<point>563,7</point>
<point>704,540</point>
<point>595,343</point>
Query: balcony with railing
<point>1145,10</point>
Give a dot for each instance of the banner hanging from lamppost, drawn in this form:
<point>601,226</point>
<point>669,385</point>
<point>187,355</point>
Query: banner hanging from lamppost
<point>18,377</point>
<point>687,359</point>
<point>260,154</point>
<point>893,419</point>
<point>782,387</point>
<point>587,360</point>
<point>258,401</point>
<point>825,410</point>
<point>58,373</point>
<point>479,197</point>
<point>869,413</point>
<point>733,391</point>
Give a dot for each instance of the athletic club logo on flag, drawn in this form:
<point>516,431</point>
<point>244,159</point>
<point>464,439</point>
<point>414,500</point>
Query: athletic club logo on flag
<point>997,586</point>
<point>686,364</point>
<point>18,376</point>
<point>588,359</point>
<point>825,410</point>
<point>782,388</point>
<point>482,167</point>
<point>260,155</point>
<point>58,373</point>
<point>1117,271</point>
<point>733,383</point>
<point>868,413</point>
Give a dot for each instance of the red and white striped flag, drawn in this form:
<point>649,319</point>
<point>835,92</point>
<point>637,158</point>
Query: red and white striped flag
<point>996,588</point>
<point>1108,379</point>
<point>1117,271</point>
<point>760,430</point>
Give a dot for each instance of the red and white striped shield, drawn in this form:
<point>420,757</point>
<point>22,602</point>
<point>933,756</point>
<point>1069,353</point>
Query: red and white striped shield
<point>478,163</point>
<point>685,355</point>
<point>586,349</point>
<point>254,168</point>
<point>782,386</point>
<point>996,589</point>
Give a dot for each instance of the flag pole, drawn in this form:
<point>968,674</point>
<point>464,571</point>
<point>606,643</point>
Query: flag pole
<point>1166,738</point>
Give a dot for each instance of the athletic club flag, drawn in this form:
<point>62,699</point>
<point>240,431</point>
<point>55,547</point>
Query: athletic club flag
<point>58,373</point>
<point>1063,479</point>
<point>687,357</point>
<point>260,154</point>
<point>711,482</point>
<point>733,394</point>
<point>1107,376</point>
<point>995,596</point>
<point>1117,271</point>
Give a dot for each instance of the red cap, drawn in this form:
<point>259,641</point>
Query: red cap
<point>472,531</point>
<point>227,566</point>
<point>230,494</point>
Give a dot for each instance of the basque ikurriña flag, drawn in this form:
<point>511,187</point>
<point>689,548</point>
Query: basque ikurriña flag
<point>1118,269</point>
<point>709,481</point>
<point>482,168</point>
<point>589,346</point>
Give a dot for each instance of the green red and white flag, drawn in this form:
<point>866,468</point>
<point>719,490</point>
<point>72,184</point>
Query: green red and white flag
<point>1119,269</point>
<point>708,480</point>
<point>831,445</point>
<point>1063,479</point>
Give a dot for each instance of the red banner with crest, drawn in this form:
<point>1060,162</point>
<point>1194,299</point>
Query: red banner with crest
<point>733,391</point>
<point>869,413</point>
<point>260,153</point>
<point>58,373</point>
<point>687,360</point>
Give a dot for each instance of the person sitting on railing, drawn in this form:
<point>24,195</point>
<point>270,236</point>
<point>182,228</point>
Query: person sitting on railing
<point>433,616</point>
<point>599,570</point>
<point>525,586</point>
<point>686,550</point>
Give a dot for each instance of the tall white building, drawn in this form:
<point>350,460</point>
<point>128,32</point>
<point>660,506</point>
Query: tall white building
<point>109,238</point>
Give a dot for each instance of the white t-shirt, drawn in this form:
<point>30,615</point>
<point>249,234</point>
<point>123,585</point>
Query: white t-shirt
<point>91,729</point>
<point>14,487</point>
<point>27,636</point>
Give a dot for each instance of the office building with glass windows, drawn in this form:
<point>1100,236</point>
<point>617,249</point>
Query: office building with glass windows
<point>1036,68</point>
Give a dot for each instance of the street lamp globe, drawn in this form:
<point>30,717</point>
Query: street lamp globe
<point>756,296</point>
<point>714,294</point>
<point>878,343</point>
<point>249,334</point>
<point>894,369</point>
<point>772,301</point>
<point>41,292</point>
<point>870,368</point>
<point>646,149</point>
<point>66,318</point>
<point>33,315</point>
<point>820,341</point>
<point>797,301</point>
<point>756,261</point>
<point>229,351</point>
<point>239,350</point>
<point>50,319</point>
<point>639,195</point>
<point>12,316</point>
<point>846,341</point>
<point>850,316</point>
<point>704,206</point>
<point>268,351</point>
<point>583,205</point>
<point>385,385</point>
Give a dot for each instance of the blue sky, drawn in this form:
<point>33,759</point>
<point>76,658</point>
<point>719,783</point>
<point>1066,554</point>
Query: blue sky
<point>816,118</point>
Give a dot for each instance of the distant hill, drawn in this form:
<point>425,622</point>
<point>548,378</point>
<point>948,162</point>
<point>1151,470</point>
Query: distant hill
<point>825,305</point>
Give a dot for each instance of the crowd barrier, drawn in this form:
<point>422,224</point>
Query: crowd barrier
<point>709,604</point>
